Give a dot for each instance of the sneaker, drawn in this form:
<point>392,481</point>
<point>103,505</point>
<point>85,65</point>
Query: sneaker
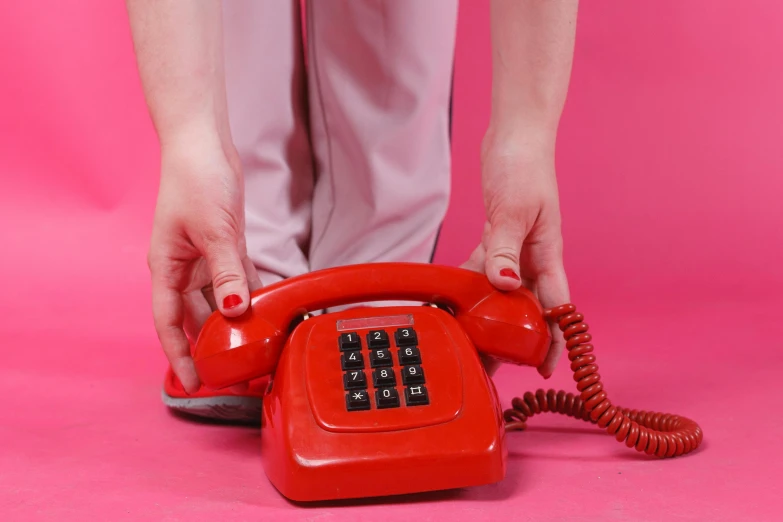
<point>219,405</point>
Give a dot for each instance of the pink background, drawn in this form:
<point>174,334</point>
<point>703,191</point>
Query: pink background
<point>670,170</point>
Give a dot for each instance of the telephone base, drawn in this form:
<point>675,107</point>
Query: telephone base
<point>317,446</point>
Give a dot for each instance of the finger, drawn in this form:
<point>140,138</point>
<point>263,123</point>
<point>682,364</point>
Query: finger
<point>476,260</point>
<point>253,283</point>
<point>553,291</point>
<point>229,281</point>
<point>209,295</point>
<point>168,311</point>
<point>503,249</point>
<point>253,279</point>
<point>197,310</point>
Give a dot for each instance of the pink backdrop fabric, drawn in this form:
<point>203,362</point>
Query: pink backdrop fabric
<point>669,163</point>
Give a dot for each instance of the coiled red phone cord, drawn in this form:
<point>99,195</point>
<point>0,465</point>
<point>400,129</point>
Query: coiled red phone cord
<point>660,434</point>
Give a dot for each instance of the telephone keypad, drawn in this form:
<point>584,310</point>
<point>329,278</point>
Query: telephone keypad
<point>387,398</point>
<point>357,400</point>
<point>412,375</point>
<point>384,370</point>
<point>352,360</point>
<point>350,341</point>
<point>354,379</point>
<point>409,355</point>
<point>379,358</point>
<point>405,337</point>
<point>383,377</point>
<point>377,339</point>
<point>416,396</point>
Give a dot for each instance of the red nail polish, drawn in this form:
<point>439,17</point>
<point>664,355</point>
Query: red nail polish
<point>231,301</point>
<point>507,272</point>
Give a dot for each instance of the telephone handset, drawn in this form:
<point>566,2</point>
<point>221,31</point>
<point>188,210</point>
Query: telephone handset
<point>390,400</point>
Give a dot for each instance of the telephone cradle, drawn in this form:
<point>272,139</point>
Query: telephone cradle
<point>378,401</point>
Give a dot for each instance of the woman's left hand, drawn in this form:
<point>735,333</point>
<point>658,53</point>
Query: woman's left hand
<point>522,241</point>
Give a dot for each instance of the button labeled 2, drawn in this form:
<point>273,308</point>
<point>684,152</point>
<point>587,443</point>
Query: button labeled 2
<point>377,339</point>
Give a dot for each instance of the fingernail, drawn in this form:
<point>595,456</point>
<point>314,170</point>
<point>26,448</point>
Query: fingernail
<point>507,272</point>
<point>231,301</point>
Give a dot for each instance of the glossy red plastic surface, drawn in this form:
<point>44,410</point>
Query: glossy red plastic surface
<point>506,325</point>
<point>314,449</point>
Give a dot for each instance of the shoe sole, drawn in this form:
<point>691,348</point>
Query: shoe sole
<point>225,408</point>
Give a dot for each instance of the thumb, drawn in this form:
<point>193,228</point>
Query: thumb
<point>229,281</point>
<point>504,245</point>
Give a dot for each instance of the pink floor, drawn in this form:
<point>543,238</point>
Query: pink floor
<point>83,432</point>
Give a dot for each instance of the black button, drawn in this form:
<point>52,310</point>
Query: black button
<point>412,375</point>
<point>357,400</point>
<point>416,396</point>
<point>405,337</point>
<point>409,355</point>
<point>352,360</point>
<point>378,339</point>
<point>383,377</point>
<point>381,358</point>
<point>387,398</point>
<point>354,379</point>
<point>350,341</point>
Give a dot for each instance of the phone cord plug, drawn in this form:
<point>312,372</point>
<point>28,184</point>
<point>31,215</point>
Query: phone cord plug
<point>660,434</point>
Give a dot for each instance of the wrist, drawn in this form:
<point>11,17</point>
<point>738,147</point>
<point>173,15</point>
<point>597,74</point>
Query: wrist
<point>519,139</point>
<point>198,149</point>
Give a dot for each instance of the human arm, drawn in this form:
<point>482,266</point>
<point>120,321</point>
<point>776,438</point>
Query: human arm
<point>198,231</point>
<point>532,52</point>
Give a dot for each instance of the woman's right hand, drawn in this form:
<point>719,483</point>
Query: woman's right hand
<point>198,257</point>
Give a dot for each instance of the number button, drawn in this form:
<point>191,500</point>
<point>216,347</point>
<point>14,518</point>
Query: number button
<point>412,375</point>
<point>409,355</point>
<point>350,341</point>
<point>416,396</point>
<point>357,400</point>
<point>380,358</point>
<point>405,337</point>
<point>354,379</point>
<point>352,360</point>
<point>378,339</point>
<point>387,398</point>
<point>383,377</point>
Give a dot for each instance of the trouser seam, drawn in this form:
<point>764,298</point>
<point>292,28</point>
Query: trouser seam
<point>329,170</point>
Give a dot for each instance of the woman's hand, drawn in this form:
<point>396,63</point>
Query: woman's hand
<point>522,242</point>
<point>197,257</point>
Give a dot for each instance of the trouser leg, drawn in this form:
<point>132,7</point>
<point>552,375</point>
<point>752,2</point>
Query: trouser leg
<point>267,96</point>
<point>380,76</point>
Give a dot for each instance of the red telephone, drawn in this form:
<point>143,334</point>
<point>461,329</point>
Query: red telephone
<point>390,400</point>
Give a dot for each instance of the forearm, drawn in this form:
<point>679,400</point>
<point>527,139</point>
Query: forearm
<point>179,52</point>
<point>532,52</point>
